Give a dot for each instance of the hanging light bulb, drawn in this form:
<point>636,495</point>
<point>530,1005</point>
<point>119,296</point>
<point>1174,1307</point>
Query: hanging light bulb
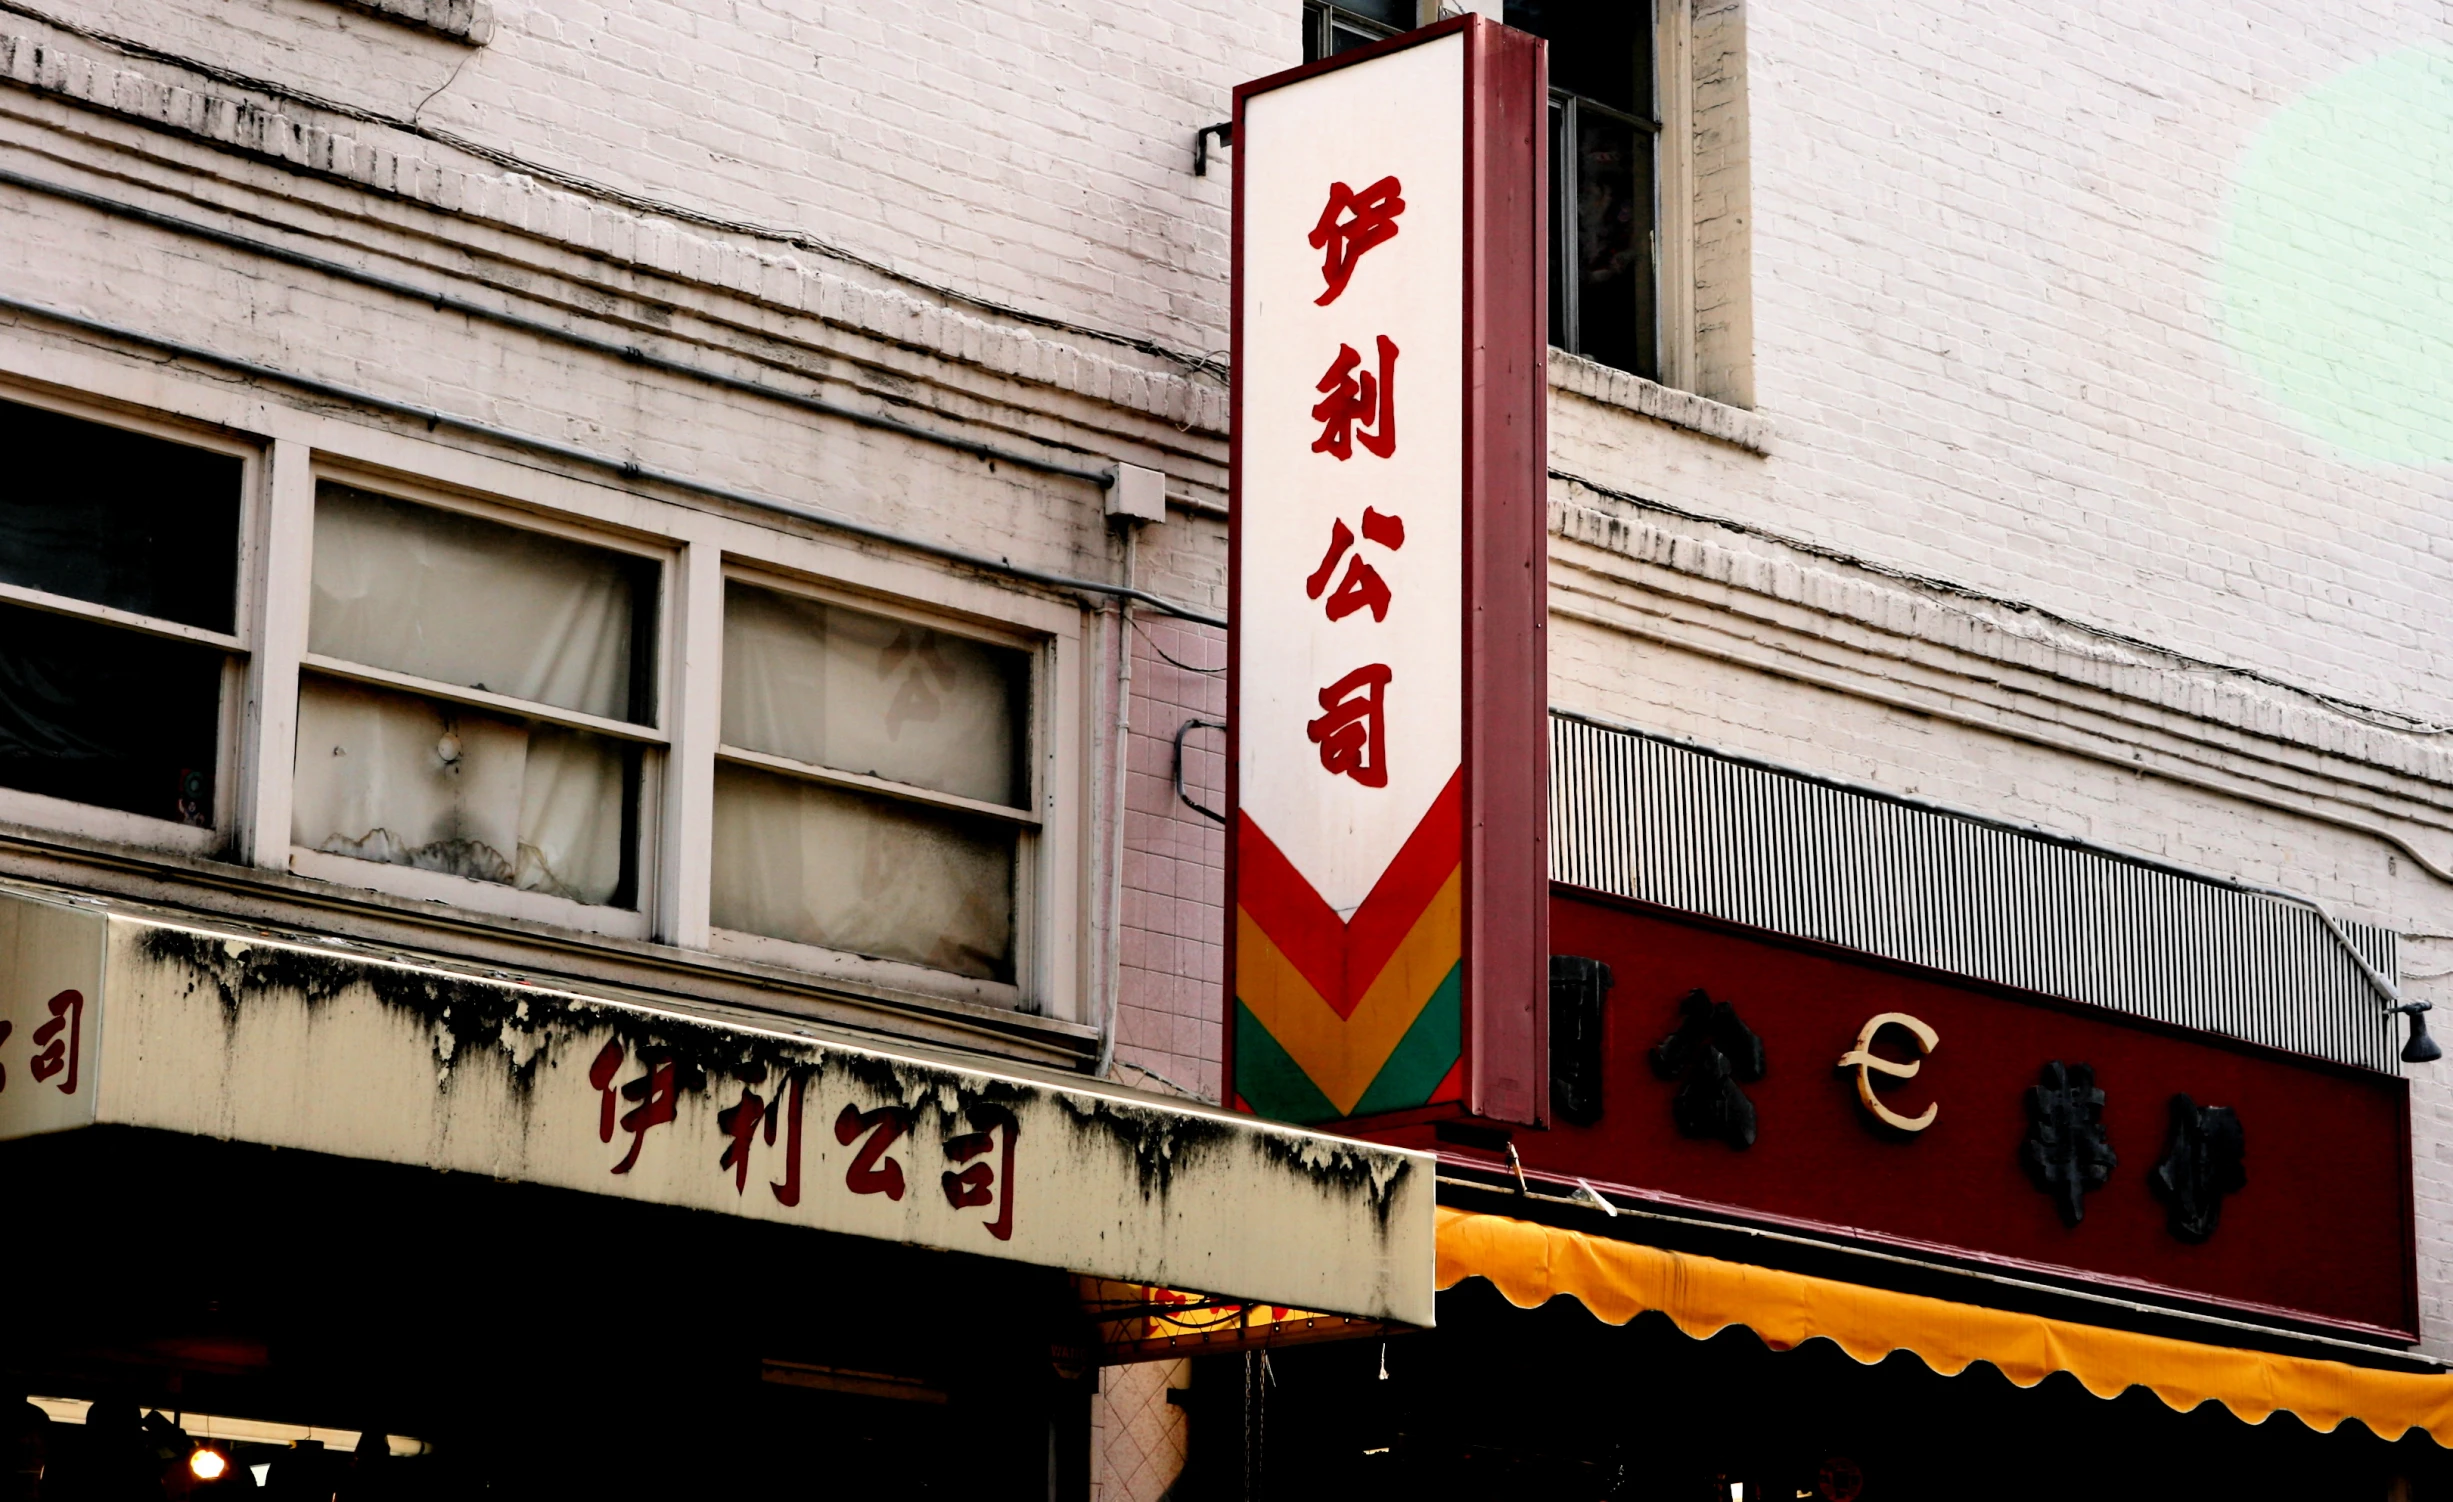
<point>208,1464</point>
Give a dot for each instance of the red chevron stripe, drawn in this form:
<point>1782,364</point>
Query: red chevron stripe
<point>1342,959</point>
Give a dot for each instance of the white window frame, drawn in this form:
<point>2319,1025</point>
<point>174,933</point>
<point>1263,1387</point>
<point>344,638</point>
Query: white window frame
<point>118,826</point>
<point>1029,819</point>
<point>289,449</point>
<point>636,921</point>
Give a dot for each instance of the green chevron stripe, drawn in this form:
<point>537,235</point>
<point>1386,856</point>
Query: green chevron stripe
<point>1270,1081</point>
<point>1423,1056</point>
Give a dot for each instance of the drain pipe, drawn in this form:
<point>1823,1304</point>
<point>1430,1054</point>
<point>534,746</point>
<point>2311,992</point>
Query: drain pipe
<point>1138,498</point>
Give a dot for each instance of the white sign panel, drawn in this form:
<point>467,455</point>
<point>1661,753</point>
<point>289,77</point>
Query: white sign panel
<point>1351,590</point>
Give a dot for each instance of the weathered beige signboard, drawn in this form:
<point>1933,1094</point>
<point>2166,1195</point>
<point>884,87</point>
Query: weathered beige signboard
<point>113,1018</point>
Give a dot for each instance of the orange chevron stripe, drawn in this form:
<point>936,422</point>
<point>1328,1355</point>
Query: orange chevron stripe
<point>1341,957</point>
<point>1343,1055</point>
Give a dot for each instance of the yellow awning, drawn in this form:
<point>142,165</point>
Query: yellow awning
<point>1531,1264</point>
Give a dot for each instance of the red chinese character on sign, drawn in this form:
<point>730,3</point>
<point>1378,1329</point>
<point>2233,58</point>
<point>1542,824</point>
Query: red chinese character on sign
<point>657,1093</point>
<point>6,1028</point>
<point>1348,731</point>
<point>739,1124</point>
<point>1362,587</point>
<point>867,1173</point>
<point>600,1075</point>
<point>1355,402</point>
<point>788,1193</point>
<point>980,1184</point>
<point>60,1040</point>
<point>1351,224</point>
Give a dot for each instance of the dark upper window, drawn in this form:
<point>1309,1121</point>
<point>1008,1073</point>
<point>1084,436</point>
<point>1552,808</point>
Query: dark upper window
<point>1604,210</point>
<point>119,557</point>
<point>1604,216</point>
<point>1329,29</point>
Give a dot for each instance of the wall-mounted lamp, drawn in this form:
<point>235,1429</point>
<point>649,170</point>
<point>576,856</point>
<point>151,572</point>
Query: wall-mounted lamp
<point>2421,1049</point>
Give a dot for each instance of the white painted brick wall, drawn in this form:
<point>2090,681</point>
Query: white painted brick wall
<point>1985,322</point>
<point>1985,344</point>
<point>1034,155</point>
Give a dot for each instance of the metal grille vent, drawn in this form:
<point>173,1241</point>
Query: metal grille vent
<point>1703,832</point>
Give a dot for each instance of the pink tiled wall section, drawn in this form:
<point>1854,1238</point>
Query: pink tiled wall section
<point>1174,861</point>
<point>1137,1436</point>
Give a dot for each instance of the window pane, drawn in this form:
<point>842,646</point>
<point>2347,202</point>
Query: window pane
<point>1559,230</point>
<point>99,715</point>
<point>122,519</point>
<point>860,693</point>
<point>410,782</point>
<point>471,602</point>
<point>1600,49</point>
<point>1615,293</point>
<point>1345,36</point>
<point>898,881</point>
<point>1396,15</point>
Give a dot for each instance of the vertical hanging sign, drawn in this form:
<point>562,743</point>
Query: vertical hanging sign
<point>1387,947</point>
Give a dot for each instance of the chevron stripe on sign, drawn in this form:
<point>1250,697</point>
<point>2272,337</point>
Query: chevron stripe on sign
<point>1348,1017</point>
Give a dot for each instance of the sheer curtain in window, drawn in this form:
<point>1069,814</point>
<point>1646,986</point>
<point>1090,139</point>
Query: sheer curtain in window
<point>465,601</point>
<point>856,692</point>
<point>409,780</point>
<point>843,870</point>
<point>832,690</point>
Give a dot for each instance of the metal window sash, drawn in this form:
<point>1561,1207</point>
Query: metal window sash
<point>1567,231</point>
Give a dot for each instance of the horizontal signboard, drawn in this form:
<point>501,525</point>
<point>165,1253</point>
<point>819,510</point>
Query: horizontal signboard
<point>108,1018</point>
<point>1697,1065</point>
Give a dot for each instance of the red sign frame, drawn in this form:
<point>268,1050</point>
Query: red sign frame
<point>1501,853</point>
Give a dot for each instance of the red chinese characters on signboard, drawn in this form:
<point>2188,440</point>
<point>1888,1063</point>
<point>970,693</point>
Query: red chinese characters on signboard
<point>739,1124</point>
<point>1351,730</point>
<point>871,1171</point>
<point>1357,405</point>
<point>1362,588</point>
<point>1351,224</point>
<point>744,1122</point>
<point>788,1193</point>
<point>59,1041</point>
<point>984,1183</point>
<point>655,1091</point>
<point>980,1161</point>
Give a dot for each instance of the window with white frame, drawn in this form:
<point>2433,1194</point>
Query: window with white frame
<point>477,701</point>
<point>481,713</point>
<point>119,629</point>
<point>873,790</point>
